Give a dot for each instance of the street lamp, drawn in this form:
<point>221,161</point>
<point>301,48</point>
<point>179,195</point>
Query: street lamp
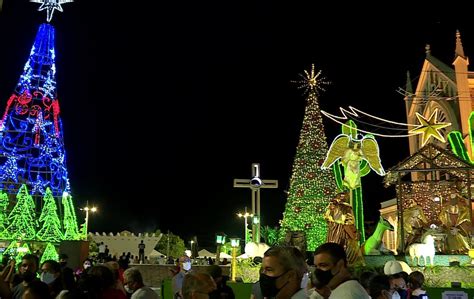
<point>245,215</point>
<point>220,240</point>
<point>256,226</point>
<point>192,251</point>
<point>235,243</point>
<point>86,224</point>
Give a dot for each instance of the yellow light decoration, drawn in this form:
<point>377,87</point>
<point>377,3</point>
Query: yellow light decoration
<point>429,127</point>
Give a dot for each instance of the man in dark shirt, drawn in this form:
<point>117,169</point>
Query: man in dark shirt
<point>141,252</point>
<point>223,290</point>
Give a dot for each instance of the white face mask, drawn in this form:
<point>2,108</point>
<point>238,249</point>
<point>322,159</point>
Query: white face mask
<point>47,277</point>
<point>128,289</point>
<point>187,266</point>
<point>395,295</point>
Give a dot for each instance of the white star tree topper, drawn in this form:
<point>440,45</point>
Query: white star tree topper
<point>50,6</point>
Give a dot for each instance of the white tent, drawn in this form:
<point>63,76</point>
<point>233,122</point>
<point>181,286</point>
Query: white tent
<point>204,253</point>
<point>225,255</point>
<point>155,253</point>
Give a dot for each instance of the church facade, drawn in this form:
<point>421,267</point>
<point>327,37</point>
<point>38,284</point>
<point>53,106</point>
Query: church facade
<point>448,91</point>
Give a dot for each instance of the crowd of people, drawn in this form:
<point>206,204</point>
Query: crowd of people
<point>54,279</point>
<point>285,273</point>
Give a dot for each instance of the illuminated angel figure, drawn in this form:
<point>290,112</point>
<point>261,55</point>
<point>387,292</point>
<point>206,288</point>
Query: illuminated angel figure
<point>352,152</point>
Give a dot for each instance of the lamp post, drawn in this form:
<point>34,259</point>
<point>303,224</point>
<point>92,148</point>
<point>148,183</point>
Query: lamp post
<point>220,240</point>
<point>256,224</point>
<point>192,251</point>
<point>86,224</point>
<point>235,243</point>
<point>245,215</point>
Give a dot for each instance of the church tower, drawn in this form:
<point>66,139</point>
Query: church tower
<point>450,91</point>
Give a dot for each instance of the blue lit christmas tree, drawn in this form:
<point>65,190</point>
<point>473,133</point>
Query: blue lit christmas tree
<point>31,134</point>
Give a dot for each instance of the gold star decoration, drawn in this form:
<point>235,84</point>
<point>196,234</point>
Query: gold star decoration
<point>429,127</point>
<point>311,81</point>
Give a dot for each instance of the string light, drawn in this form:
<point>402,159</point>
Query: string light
<point>311,188</point>
<point>374,123</point>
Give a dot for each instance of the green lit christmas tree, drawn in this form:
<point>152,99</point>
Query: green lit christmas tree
<point>51,230</point>
<point>49,253</point>
<point>311,188</point>
<point>3,217</point>
<point>17,251</point>
<point>71,231</point>
<point>22,218</point>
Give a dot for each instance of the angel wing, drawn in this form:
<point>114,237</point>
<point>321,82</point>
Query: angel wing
<point>370,150</point>
<point>336,150</point>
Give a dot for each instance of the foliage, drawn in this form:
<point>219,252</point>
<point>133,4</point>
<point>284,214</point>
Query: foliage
<point>270,235</point>
<point>248,270</point>
<point>175,245</point>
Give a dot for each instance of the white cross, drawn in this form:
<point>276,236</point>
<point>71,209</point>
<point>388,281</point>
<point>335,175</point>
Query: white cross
<point>255,184</point>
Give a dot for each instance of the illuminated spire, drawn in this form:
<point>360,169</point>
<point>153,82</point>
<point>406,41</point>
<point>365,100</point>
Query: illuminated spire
<point>459,49</point>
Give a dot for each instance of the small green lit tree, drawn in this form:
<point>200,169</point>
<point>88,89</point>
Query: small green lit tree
<point>49,253</point>
<point>51,230</point>
<point>22,218</point>
<point>17,251</point>
<point>3,217</point>
<point>71,231</point>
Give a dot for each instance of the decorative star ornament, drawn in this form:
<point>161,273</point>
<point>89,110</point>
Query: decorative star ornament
<point>50,6</point>
<point>429,127</point>
<point>311,81</point>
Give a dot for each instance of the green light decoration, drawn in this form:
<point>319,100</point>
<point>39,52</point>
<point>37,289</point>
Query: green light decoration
<point>17,251</point>
<point>457,143</point>
<point>311,188</point>
<point>350,129</point>
<point>3,216</point>
<point>71,231</point>
<point>49,253</point>
<point>22,218</point>
<point>51,230</point>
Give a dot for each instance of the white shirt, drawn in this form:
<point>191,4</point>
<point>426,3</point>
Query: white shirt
<point>144,293</point>
<point>350,289</point>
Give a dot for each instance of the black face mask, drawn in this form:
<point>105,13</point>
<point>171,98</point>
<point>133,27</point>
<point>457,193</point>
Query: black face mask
<point>28,276</point>
<point>322,277</point>
<point>268,285</point>
<point>63,264</point>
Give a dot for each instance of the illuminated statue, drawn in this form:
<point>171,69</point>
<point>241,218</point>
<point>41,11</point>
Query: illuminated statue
<point>414,220</point>
<point>341,228</point>
<point>455,221</point>
<point>352,152</point>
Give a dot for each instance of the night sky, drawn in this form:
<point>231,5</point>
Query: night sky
<point>163,107</point>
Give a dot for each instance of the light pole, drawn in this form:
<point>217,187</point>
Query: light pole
<point>235,243</point>
<point>86,224</point>
<point>220,240</point>
<point>245,215</point>
<point>192,251</point>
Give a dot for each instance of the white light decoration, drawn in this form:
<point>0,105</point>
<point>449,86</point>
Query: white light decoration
<point>370,124</point>
<point>50,6</point>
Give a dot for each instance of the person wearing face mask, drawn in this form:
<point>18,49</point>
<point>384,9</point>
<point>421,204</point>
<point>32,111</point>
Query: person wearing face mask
<point>133,283</point>
<point>67,272</point>
<point>177,281</point>
<point>332,278</point>
<point>283,268</point>
<point>51,275</point>
<point>27,273</point>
